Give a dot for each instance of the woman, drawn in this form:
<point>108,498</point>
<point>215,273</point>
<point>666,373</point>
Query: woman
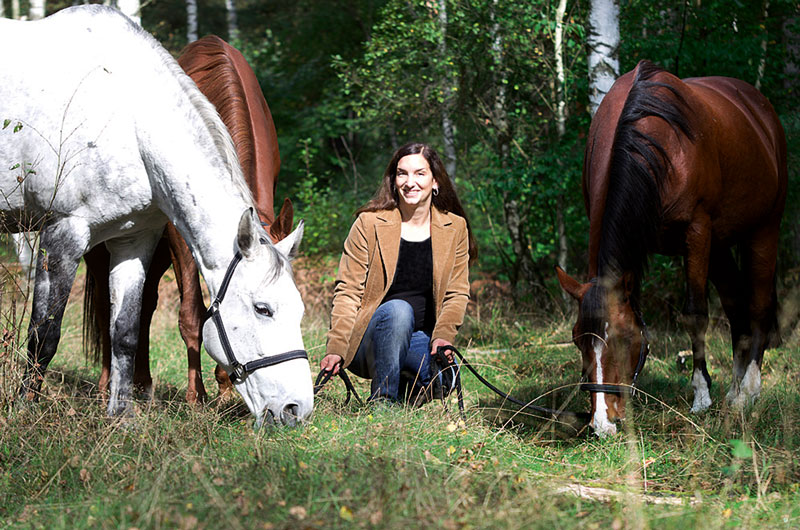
<point>403,281</point>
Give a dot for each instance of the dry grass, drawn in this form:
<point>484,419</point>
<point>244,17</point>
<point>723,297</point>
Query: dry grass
<point>63,463</point>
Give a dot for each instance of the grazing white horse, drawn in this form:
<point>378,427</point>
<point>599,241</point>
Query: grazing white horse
<point>106,139</point>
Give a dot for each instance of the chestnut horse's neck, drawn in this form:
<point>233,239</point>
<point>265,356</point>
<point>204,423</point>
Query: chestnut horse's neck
<point>624,181</point>
<point>223,75</point>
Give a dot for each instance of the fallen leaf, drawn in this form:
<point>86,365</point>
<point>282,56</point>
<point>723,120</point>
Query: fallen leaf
<point>298,512</point>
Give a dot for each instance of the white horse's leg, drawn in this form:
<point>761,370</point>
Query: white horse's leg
<point>62,246</point>
<point>25,244</point>
<point>130,258</point>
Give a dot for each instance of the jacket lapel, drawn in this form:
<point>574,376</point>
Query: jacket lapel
<point>442,236</point>
<point>388,234</point>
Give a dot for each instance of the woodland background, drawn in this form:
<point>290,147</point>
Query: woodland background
<point>481,80</point>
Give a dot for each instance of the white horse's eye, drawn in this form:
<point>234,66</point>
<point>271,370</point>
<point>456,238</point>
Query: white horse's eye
<point>263,310</point>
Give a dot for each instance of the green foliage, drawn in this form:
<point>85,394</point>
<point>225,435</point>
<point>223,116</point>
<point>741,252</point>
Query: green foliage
<point>327,213</point>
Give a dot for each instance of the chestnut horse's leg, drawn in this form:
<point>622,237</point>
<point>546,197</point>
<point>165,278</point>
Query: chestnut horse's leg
<point>698,248</point>
<point>142,379</point>
<point>97,263</point>
<point>192,311</point>
<point>728,280</point>
<point>759,257</point>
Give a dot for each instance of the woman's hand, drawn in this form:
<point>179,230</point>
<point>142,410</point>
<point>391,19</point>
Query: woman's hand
<point>438,343</point>
<point>331,362</point>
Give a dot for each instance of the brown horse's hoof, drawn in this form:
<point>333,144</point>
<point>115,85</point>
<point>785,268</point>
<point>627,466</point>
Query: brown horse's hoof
<point>196,397</point>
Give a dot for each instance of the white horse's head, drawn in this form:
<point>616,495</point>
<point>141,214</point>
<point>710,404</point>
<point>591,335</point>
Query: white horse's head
<point>261,310</point>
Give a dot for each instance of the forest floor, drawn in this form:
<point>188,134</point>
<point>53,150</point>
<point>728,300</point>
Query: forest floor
<point>64,464</point>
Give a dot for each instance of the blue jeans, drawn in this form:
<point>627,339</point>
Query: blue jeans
<point>392,354</point>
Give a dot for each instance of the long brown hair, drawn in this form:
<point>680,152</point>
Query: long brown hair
<point>446,200</point>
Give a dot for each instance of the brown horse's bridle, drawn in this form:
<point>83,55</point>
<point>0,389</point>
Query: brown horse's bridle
<point>238,370</point>
<point>619,389</point>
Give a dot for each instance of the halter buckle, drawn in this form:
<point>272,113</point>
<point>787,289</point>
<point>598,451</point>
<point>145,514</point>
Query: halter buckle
<point>237,373</point>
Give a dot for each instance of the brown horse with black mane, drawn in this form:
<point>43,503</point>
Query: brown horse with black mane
<point>692,168</point>
<point>223,75</point>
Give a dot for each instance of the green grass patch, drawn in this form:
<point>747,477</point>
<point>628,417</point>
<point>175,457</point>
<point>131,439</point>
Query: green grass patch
<point>64,464</point>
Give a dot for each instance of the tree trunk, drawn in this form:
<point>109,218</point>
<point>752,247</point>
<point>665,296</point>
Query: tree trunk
<point>603,43</point>
<point>233,26</point>
<point>132,9</point>
<point>561,124</point>
<point>15,9</point>
<point>191,20</point>
<point>791,69</point>
<point>762,63</point>
<point>2,9</point>
<point>36,10</point>
<point>448,132</point>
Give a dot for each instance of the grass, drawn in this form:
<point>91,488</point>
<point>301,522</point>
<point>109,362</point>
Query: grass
<point>64,464</point>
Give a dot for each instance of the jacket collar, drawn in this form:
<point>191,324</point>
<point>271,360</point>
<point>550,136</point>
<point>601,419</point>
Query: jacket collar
<point>388,235</point>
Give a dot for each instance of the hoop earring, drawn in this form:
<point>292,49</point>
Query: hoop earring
<point>435,192</point>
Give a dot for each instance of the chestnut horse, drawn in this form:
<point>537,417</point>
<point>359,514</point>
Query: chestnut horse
<point>688,167</point>
<point>224,77</point>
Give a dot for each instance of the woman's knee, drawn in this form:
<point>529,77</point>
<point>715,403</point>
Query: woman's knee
<point>397,313</point>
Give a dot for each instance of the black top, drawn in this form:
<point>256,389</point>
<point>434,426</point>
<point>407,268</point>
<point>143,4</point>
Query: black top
<point>413,282</point>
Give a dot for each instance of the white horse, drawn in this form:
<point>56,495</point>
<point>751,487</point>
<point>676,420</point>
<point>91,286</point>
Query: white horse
<point>107,139</point>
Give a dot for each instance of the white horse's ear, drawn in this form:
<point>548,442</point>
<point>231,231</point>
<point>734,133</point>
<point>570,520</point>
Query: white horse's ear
<point>247,236</point>
<point>288,245</point>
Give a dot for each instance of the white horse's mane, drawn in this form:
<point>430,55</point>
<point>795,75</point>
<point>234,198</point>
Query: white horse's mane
<point>208,113</point>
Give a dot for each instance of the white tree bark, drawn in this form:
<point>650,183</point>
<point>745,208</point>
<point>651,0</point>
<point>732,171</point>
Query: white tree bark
<point>132,9</point>
<point>603,42</point>
<point>36,10</point>
<point>791,70</point>
<point>233,25</point>
<point>561,124</point>
<point>762,63</point>
<point>191,20</point>
<point>15,9</point>
<point>448,132</point>
<point>2,9</point>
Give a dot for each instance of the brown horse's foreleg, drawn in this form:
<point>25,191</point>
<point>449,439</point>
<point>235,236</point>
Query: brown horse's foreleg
<point>224,382</point>
<point>97,263</point>
<point>192,312</point>
<point>758,263</point>
<point>142,379</point>
<point>698,248</point>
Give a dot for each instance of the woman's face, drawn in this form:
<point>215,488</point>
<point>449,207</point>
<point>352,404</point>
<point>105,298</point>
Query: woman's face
<point>414,181</point>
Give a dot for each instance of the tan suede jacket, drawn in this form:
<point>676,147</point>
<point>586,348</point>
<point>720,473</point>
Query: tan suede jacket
<point>367,269</point>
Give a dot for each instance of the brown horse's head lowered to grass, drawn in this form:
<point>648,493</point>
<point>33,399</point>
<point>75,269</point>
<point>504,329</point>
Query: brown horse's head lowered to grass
<point>691,168</point>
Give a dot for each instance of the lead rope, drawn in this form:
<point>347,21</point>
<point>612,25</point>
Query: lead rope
<point>440,354</point>
<point>325,375</point>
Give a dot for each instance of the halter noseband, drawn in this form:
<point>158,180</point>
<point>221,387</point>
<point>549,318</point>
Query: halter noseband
<point>239,370</point>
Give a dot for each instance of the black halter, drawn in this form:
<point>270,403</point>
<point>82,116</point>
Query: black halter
<point>239,371</point>
<point>620,389</point>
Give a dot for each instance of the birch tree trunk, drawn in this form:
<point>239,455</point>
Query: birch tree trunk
<point>132,9</point>
<point>448,133</point>
<point>191,20</point>
<point>2,9</point>
<point>762,63</point>
<point>15,9</point>
<point>36,10</point>
<point>233,25</point>
<point>603,43</point>
<point>514,213</point>
<point>561,123</point>
<point>791,70</point>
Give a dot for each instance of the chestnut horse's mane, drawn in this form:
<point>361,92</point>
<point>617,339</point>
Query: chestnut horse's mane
<point>211,64</point>
<point>639,168</point>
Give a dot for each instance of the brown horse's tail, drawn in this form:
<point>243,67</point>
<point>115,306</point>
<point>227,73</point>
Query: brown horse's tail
<point>91,336</point>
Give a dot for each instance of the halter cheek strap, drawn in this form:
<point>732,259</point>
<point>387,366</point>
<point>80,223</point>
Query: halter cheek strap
<point>238,370</point>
